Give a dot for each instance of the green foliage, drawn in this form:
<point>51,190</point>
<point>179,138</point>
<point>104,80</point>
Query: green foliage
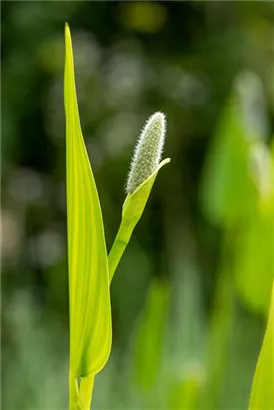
<point>90,315</point>
<point>237,190</point>
<point>133,208</point>
<point>237,196</point>
<point>89,271</point>
<point>228,193</point>
<point>149,341</point>
<point>185,392</point>
<point>132,59</point>
<point>227,190</point>
<point>255,242</point>
<point>262,395</point>
<point>254,275</point>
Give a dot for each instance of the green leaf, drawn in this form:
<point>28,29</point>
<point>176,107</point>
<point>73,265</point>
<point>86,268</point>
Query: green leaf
<point>262,394</point>
<point>133,208</point>
<point>148,345</point>
<point>90,314</point>
<point>254,268</point>
<point>254,261</point>
<point>183,395</point>
<point>227,192</point>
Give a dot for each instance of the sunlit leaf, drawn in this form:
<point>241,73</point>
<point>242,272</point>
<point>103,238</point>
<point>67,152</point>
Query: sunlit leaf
<point>90,316</point>
<point>262,395</point>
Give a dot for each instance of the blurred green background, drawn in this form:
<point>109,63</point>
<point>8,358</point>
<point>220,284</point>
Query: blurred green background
<point>190,297</point>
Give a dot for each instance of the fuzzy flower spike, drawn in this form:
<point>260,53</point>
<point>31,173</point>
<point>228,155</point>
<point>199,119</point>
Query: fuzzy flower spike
<point>144,168</point>
<point>148,151</point>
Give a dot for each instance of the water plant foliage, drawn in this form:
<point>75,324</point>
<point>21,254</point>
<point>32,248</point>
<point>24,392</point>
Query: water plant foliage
<point>90,314</point>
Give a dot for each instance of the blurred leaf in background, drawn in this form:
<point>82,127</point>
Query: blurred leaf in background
<point>262,395</point>
<point>228,194</point>
<point>149,339</point>
<point>255,267</point>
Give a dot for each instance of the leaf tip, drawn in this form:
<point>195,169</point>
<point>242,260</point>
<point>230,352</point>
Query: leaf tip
<point>67,33</point>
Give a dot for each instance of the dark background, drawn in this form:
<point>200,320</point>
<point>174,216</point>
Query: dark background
<point>184,337</point>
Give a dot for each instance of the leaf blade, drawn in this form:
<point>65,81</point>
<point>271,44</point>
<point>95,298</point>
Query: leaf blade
<point>262,394</point>
<point>90,317</point>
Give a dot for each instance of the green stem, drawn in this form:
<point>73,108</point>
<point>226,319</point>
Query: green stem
<point>133,208</point>
<point>73,392</point>
<point>85,391</point>
<point>118,247</point>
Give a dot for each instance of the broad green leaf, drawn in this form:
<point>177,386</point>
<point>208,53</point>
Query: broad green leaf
<point>227,191</point>
<point>90,314</point>
<point>132,211</point>
<point>262,394</point>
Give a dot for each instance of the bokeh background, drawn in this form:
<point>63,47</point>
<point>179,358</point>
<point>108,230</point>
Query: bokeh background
<point>191,294</point>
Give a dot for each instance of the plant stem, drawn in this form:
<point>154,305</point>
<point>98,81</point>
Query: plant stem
<point>85,391</point>
<point>118,247</point>
<point>73,392</point>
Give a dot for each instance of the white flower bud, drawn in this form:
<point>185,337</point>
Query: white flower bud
<point>148,151</point>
